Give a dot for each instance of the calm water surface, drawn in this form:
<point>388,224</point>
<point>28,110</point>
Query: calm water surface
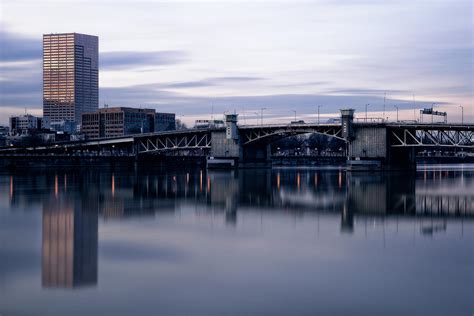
<point>252,242</point>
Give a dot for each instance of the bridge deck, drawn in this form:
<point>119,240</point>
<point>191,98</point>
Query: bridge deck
<point>252,133</point>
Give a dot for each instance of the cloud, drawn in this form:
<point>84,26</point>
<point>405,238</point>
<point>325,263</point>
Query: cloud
<point>21,93</point>
<point>278,105</point>
<point>302,84</point>
<point>214,81</point>
<point>17,47</point>
<point>20,85</point>
<point>136,59</point>
<point>354,91</point>
<point>234,79</point>
<point>190,84</point>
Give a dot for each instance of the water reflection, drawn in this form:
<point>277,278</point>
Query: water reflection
<point>121,195</point>
<point>230,240</point>
<point>72,207</point>
<point>69,244</point>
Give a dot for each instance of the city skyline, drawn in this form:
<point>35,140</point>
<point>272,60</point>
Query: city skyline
<point>170,61</point>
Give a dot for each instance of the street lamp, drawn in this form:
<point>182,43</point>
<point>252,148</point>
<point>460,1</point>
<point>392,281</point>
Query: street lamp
<point>462,114</point>
<point>257,114</point>
<point>366,111</point>
<point>319,106</point>
<point>397,111</point>
<point>262,115</point>
<point>432,112</point>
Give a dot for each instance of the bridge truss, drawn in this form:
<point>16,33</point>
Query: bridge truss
<point>178,141</point>
<point>432,136</point>
<point>270,133</point>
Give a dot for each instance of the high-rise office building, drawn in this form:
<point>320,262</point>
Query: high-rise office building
<point>70,76</point>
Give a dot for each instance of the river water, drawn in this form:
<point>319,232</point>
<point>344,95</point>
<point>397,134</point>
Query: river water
<point>301,241</point>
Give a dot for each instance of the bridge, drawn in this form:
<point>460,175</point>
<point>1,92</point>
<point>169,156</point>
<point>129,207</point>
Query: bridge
<point>369,144</point>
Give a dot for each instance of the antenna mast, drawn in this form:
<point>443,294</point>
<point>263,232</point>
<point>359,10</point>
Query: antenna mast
<point>383,116</point>
<point>414,108</point>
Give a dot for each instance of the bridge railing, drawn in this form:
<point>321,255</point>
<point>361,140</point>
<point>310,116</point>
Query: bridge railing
<point>287,125</point>
<point>373,120</point>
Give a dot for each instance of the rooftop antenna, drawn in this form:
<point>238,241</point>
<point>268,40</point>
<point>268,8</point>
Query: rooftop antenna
<point>26,111</point>
<point>212,113</point>
<point>414,108</point>
<point>384,95</point>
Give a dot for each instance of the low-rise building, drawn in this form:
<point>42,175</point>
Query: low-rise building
<point>4,130</point>
<point>25,124</point>
<point>64,126</point>
<point>164,122</point>
<point>120,121</point>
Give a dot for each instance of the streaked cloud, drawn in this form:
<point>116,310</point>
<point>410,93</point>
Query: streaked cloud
<point>136,59</point>
<point>18,47</point>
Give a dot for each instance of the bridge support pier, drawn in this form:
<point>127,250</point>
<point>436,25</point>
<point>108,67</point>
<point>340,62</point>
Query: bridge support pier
<point>256,156</point>
<point>368,147</point>
<point>371,150</point>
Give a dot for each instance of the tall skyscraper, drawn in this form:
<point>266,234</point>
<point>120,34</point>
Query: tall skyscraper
<point>70,76</point>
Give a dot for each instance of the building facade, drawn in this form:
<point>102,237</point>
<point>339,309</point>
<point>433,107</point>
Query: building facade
<point>120,121</point>
<point>24,124</point>
<point>164,122</point>
<point>70,76</point>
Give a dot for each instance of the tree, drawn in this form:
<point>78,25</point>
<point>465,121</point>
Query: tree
<point>180,125</point>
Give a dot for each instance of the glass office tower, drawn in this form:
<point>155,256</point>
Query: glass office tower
<point>70,76</point>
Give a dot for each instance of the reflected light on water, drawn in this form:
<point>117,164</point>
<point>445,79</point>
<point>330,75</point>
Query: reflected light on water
<point>56,186</point>
<point>11,188</point>
<point>113,185</point>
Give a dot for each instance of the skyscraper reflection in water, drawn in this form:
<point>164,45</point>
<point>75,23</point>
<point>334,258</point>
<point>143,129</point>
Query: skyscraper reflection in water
<point>70,238</point>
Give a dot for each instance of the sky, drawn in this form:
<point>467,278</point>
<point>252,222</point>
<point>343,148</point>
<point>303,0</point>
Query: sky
<point>200,59</point>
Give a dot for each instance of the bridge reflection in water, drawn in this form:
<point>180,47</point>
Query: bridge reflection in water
<point>75,202</point>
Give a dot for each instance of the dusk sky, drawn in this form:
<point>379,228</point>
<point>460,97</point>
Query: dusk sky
<point>194,57</point>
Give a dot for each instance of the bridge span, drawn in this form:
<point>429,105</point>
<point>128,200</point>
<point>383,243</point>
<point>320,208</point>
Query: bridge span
<point>379,145</point>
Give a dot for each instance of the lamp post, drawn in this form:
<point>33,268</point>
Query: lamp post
<point>397,111</point>
<point>432,112</point>
<point>462,114</point>
<point>366,111</point>
<point>319,106</point>
<point>261,117</point>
